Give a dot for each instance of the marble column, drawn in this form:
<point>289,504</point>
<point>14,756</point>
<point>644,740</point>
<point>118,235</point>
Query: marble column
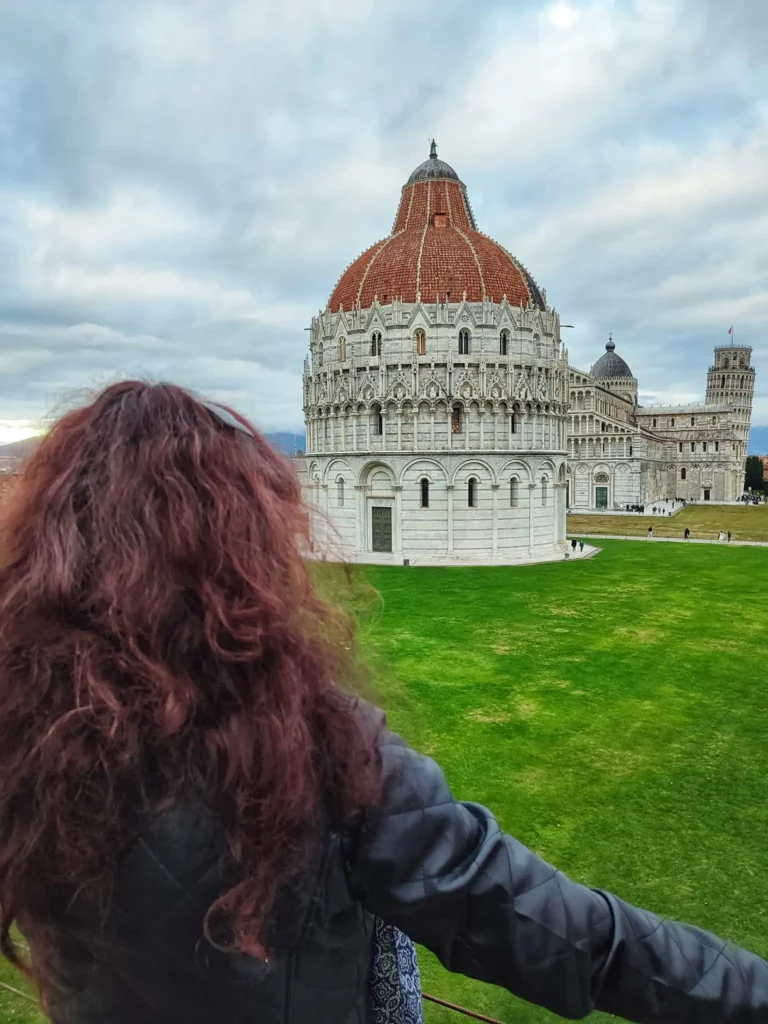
<point>398,524</point>
<point>531,530</point>
<point>449,490</point>
<point>495,497</point>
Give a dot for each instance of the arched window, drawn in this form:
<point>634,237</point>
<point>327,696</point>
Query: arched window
<point>673,421</point>
<point>456,420</point>
<point>377,420</point>
<point>471,493</point>
<point>512,423</point>
<point>421,343</point>
<point>693,421</point>
<point>342,350</point>
<point>544,490</point>
<point>376,343</point>
<point>424,492</point>
<point>320,354</point>
<point>654,421</point>
<point>340,492</point>
<point>683,474</point>
<point>504,343</point>
<point>464,342</point>
<point>514,492</point>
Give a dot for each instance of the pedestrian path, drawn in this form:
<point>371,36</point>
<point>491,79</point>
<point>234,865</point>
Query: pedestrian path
<point>672,540</point>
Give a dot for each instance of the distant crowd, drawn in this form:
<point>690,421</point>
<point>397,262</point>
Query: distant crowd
<point>675,504</point>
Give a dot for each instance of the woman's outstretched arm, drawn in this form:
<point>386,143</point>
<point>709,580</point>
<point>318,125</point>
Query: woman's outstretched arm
<point>444,873</point>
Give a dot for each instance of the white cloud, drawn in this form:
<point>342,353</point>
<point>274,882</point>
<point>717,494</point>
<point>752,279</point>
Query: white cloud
<point>562,15</point>
<point>186,182</point>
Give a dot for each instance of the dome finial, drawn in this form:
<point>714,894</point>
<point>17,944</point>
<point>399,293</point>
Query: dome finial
<point>433,150</point>
<point>610,347</point>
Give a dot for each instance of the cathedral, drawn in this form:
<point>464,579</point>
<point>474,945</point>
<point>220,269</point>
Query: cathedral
<point>621,453</point>
<point>444,423</point>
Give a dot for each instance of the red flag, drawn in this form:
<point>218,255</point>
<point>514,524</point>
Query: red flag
<point>730,329</point>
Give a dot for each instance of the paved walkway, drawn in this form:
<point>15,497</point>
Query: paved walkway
<point>672,540</point>
<point>663,510</point>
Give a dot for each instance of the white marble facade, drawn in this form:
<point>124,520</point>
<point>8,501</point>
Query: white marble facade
<point>440,448</point>
<point>622,453</point>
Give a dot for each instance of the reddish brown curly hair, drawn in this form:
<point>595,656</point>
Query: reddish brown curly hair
<point>159,628</point>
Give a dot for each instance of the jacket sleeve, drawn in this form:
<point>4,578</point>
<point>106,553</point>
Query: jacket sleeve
<point>445,874</point>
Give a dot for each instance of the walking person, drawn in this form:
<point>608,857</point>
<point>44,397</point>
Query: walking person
<point>650,533</point>
<point>581,547</point>
<point>729,536</point>
<point>574,542</point>
<point>721,536</point>
<point>687,533</point>
<point>197,824</point>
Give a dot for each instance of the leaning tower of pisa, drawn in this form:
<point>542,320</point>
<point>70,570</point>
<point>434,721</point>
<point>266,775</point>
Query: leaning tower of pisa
<point>731,381</point>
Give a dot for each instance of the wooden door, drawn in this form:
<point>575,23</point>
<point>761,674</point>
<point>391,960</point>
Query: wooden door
<point>381,528</point>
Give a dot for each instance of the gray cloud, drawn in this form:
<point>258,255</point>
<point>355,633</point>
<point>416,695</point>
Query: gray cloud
<point>181,183</point>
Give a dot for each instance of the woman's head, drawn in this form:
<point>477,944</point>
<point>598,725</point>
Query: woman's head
<point>159,628</point>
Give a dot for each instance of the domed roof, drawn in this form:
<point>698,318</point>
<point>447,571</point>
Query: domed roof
<point>435,252</point>
<point>610,366</point>
<point>433,168</point>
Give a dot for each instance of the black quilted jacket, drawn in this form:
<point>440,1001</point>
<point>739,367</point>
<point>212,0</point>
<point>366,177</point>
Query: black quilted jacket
<point>443,872</point>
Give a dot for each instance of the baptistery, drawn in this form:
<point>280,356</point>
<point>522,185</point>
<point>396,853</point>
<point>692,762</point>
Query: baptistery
<point>435,396</point>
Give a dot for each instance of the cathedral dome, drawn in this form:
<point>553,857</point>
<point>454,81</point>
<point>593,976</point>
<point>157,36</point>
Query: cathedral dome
<point>435,252</point>
<point>433,168</point>
<point>610,366</point>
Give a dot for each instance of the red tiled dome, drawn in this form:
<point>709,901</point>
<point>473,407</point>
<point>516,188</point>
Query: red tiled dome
<point>435,251</point>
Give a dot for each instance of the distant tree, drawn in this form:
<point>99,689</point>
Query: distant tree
<point>754,475</point>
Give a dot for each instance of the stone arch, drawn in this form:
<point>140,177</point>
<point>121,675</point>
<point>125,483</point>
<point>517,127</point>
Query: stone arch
<point>374,467</point>
<point>471,467</point>
<point>334,468</point>
<point>437,468</point>
<point>516,467</point>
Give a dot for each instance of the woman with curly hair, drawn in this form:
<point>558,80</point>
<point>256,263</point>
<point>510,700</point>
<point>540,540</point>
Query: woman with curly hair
<point>198,822</point>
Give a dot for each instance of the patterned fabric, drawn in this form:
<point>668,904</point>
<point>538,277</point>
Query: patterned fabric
<point>394,982</point>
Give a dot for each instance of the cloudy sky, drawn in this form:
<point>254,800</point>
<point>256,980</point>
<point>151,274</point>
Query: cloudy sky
<point>183,181</point>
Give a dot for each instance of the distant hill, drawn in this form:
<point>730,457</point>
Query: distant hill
<point>282,440</point>
<point>19,449</point>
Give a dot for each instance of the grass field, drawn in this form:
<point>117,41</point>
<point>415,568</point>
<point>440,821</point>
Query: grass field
<point>704,522</point>
<point>613,713</point>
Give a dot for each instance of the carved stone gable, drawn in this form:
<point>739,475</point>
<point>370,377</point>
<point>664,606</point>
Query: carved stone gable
<point>466,385</point>
<point>400,386</point>
<point>432,387</point>
<point>496,388</point>
<point>369,387</point>
<point>523,386</point>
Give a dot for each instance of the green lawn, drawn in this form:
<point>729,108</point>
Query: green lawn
<point>15,1008</point>
<point>704,522</point>
<point>613,712</point>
